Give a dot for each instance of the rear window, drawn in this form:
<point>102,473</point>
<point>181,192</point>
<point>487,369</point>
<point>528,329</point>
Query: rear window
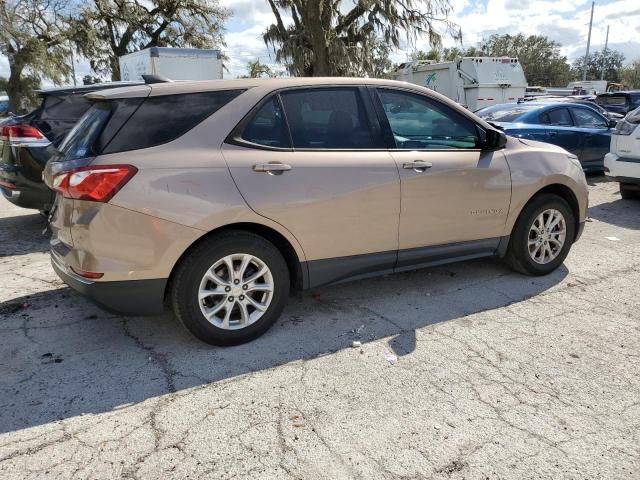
<point>64,107</point>
<point>136,123</point>
<point>503,113</point>
<point>635,100</point>
<point>611,100</point>
<point>162,119</point>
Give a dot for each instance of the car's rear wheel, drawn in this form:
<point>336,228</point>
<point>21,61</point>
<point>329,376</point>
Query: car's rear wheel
<point>542,236</point>
<point>627,192</point>
<point>231,288</point>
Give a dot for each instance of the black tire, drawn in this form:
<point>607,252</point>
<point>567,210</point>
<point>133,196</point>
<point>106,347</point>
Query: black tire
<point>518,257</point>
<point>191,270</point>
<point>627,192</point>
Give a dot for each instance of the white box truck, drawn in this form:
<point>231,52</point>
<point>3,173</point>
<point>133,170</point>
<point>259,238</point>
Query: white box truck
<point>173,63</point>
<point>474,82</point>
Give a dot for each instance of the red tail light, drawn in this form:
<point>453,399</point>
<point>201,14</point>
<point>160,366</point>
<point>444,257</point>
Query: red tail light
<point>97,183</point>
<point>22,133</point>
<point>89,275</point>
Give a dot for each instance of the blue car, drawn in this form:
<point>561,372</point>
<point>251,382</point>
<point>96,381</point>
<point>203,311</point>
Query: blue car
<point>577,128</point>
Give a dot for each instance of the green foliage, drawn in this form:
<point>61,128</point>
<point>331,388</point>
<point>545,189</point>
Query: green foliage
<point>611,61</point>
<point>256,69</point>
<point>540,57</point>
<point>433,54</point>
<point>323,40</point>
<point>629,74</point>
<point>107,29</point>
<point>33,37</point>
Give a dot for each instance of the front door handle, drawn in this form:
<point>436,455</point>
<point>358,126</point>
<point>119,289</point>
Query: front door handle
<point>271,168</point>
<point>417,165</point>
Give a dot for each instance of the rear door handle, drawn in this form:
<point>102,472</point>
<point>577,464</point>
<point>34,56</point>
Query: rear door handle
<point>417,165</point>
<point>271,168</point>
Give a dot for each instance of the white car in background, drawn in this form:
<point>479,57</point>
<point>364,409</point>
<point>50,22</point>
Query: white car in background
<point>622,163</point>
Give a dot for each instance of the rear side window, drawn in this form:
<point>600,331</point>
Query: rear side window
<point>328,118</point>
<point>635,100</point>
<point>268,127</point>
<point>611,100</point>
<point>64,107</point>
<point>559,117</point>
<point>162,119</point>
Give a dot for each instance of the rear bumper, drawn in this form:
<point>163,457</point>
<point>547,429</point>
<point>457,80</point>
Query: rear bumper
<point>129,297</point>
<point>622,169</point>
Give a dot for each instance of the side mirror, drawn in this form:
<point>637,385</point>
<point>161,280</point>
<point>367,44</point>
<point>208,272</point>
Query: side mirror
<point>612,123</point>
<point>495,140</point>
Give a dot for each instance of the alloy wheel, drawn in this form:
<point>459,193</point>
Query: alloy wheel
<point>547,236</point>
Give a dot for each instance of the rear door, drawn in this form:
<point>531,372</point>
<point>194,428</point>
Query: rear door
<point>561,130</point>
<point>328,179</point>
<point>595,132</point>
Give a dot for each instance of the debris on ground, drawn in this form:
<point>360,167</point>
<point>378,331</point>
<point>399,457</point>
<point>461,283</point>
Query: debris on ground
<point>613,239</point>
<point>391,357</point>
<point>356,344</point>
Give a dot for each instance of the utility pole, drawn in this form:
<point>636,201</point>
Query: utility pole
<point>586,56</point>
<point>604,54</point>
<point>73,66</point>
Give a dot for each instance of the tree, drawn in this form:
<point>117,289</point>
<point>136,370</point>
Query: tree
<point>611,61</point>
<point>629,74</point>
<point>451,54</point>
<point>108,29</point>
<point>433,55</point>
<point>325,39</point>
<point>33,38</point>
<point>256,69</point>
<point>540,57</point>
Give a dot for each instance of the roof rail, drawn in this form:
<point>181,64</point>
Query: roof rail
<point>151,78</point>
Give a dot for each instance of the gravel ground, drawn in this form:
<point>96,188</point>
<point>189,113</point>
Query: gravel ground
<point>467,371</point>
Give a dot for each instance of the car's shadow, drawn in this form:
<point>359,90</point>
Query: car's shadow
<point>22,234</point>
<point>61,356</point>
<point>622,213</point>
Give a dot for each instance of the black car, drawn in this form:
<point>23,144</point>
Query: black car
<point>619,102</point>
<point>28,141</point>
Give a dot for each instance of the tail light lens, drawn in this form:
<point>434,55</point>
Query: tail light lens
<point>97,184</point>
<point>23,134</point>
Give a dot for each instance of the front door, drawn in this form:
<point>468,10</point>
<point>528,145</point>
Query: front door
<point>455,197</point>
<point>312,160</point>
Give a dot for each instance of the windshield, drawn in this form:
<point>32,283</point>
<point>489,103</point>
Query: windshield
<point>505,113</point>
<point>79,141</point>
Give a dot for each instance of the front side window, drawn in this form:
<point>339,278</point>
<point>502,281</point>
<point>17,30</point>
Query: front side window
<point>588,119</point>
<point>328,118</point>
<point>418,122</point>
<point>268,126</point>
<point>559,117</point>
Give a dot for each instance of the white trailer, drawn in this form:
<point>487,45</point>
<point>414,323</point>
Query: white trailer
<point>474,82</point>
<point>173,63</point>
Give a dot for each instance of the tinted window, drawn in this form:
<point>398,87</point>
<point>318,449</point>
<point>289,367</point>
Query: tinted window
<point>79,143</point>
<point>162,119</point>
<point>64,107</point>
<point>328,118</point>
<point>504,113</point>
<point>635,100</point>
<point>419,122</point>
<point>268,127</point>
<point>611,100</point>
<point>588,119</point>
<point>559,117</point>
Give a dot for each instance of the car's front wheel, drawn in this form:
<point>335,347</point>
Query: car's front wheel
<point>542,236</point>
<point>231,288</point>
<point>627,192</point>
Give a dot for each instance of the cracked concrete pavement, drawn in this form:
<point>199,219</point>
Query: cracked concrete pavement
<point>498,376</point>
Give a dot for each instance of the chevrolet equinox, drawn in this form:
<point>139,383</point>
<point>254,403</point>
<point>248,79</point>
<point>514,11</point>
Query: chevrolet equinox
<point>217,198</point>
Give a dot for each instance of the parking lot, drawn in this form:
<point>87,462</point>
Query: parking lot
<point>467,371</point>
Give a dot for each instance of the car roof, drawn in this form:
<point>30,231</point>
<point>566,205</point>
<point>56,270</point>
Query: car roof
<point>85,88</point>
<point>178,87</point>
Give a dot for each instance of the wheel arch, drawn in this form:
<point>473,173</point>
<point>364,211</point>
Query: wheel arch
<point>297,268</point>
<point>562,191</point>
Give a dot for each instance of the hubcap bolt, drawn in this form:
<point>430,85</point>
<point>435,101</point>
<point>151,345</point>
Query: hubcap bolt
<point>236,282</point>
<point>244,287</point>
<point>231,299</point>
<point>228,289</point>
<point>241,297</point>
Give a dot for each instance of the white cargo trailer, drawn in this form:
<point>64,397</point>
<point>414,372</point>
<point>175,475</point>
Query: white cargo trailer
<point>474,82</point>
<point>173,63</point>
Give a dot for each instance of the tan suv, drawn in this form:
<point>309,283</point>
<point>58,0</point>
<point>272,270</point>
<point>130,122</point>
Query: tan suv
<point>220,197</point>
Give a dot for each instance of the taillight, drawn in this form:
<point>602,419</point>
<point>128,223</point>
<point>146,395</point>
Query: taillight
<point>23,134</point>
<point>97,183</point>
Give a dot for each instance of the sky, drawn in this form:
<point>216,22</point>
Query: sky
<point>565,21</point>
